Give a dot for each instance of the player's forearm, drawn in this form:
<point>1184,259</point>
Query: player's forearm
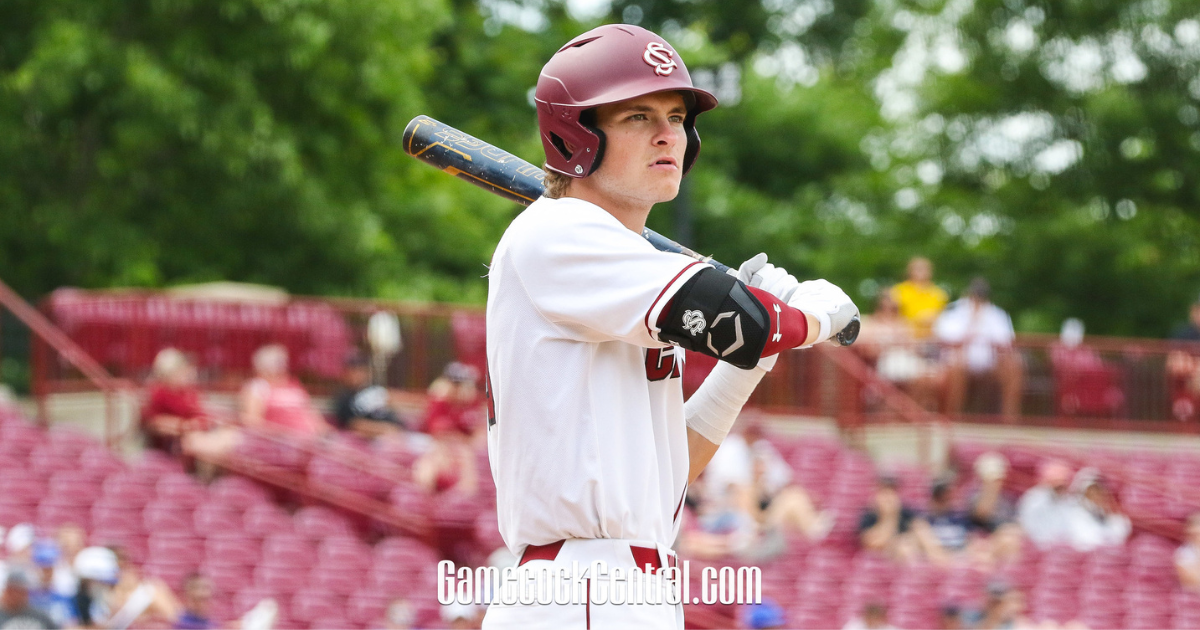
<point>712,410</point>
<point>700,452</point>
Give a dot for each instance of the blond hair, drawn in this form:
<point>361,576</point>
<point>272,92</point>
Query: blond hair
<point>556,184</point>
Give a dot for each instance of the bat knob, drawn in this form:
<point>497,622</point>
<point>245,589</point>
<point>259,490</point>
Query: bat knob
<point>850,333</point>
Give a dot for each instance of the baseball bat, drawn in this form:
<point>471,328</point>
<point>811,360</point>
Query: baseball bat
<point>500,172</point>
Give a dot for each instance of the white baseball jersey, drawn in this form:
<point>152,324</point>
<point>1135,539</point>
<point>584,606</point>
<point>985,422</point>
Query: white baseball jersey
<point>586,431</point>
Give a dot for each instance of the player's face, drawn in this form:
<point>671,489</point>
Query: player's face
<point>644,146</point>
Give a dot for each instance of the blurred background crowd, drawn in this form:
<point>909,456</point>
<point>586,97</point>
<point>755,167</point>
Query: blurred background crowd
<point>1008,189</point>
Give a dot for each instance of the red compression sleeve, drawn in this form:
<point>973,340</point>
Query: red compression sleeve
<point>789,326</point>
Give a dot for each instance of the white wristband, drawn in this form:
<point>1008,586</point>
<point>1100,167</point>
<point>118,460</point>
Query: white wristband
<point>825,324</point>
<point>713,409</point>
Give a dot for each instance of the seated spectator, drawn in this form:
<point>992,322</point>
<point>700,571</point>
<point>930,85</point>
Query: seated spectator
<point>97,570</point>
<point>750,469</point>
<point>45,596</point>
<point>361,407</point>
<point>894,529</point>
<point>888,341</point>
<point>1044,511</point>
<point>172,408</point>
<point>173,418</point>
<point>1183,366</point>
<point>274,400</point>
<point>197,598</point>
<point>1004,608</point>
<point>719,526</point>
<point>949,525</point>
<point>768,614</point>
<point>978,336</point>
<point>71,539</point>
<point>1096,518</point>
<point>18,546</point>
<point>133,598</point>
<point>1187,557</point>
<point>15,608</point>
<point>918,299</point>
<point>453,417</point>
<point>990,507</point>
<point>950,617</point>
<point>1084,383</point>
<point>874,617</point>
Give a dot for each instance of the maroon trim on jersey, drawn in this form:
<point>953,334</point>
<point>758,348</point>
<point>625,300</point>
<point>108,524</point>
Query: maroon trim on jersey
<point>541,552</point>
<point>645,556</point>
<point>789,326</point>
<point>679,507</point>
<point>587,603</point>
<point>661,293</point>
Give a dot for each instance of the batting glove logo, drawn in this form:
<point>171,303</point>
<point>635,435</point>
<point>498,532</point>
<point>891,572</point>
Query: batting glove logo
<point>693,322</point>
<point>661,58</point>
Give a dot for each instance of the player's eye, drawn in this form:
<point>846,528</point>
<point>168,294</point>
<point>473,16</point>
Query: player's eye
<point>677,119</point>
<point>637,117</point>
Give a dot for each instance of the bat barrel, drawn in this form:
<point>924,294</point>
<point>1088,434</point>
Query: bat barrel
<point>473,160</point>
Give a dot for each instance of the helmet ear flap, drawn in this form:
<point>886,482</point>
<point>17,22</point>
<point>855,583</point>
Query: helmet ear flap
<point>693,142</point>
<point>588,119</point>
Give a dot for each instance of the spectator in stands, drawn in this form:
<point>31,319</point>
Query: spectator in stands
<point>1183,366</point>
<point>135,598</point>
<point>71,539</point>
<point>400,615</point>
<point>949,525</point>
<point>990,507</point>
<point>44,596</point>
<point>1084,383</point>
<point>453,417</point>
<point>721,527</point>
<point>1096,518</point>
<point>197,597</point>
<point>919,300</point>
<point>950,617</point>
<point>1004,608</point>
<point>361,407</point>
<point>760,484</point>
<point>274,400</point>
<point>1187,557</point>
<point>978,336</point>
<point>15,609</point>
<point>172,408</point>
<point>97,570</point>
<point>1044,511</point>
<point>888,341</point>
<point>874,617</point>
<point>894,529</point>
<point>18,545</point>
<point>768,614</point>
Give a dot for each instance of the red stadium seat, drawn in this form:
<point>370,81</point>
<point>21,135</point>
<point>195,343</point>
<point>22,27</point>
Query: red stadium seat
<point>15,512</point>
<point>55,512</point>
<point>288,550</point>
<point>232,548</point>
<point>344,553</point>
<point>180,489</point>
<point>318,522</point>
<point>238,492</point>
<point>211,518</point>
<point>265,519</point>
<point>280,579</point>
<point>228,578</point>
<point>160,517</point>
<point>129,488</point>
<point>177,548</point>
<point>27,488</point>
<point>337,582</point>
<point>99,462</point>
<point>368,606</point>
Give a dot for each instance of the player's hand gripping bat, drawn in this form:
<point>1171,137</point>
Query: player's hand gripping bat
<point>507,175</point>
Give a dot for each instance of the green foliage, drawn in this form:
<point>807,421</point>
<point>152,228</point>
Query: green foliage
<point>1049,145</point>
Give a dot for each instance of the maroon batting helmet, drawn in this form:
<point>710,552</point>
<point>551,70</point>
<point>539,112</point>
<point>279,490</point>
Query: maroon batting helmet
<point>607,64</point>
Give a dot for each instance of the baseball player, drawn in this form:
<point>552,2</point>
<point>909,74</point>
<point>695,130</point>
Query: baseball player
<point>591,443</point>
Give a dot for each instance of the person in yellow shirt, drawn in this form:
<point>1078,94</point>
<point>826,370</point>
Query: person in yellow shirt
<point>919,299</point>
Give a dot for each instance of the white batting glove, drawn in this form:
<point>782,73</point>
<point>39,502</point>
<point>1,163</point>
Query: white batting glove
<point>828,304</point>
<point>760,274</point>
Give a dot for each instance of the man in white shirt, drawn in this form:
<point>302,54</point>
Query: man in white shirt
<point>978,338</point>
<point>590,442</point>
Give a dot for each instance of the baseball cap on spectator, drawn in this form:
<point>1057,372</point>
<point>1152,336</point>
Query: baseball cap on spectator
<point>20,537</point>
<point>1086,478</point>
<point>768,614</point>
<point>460,373</point>
<point>45,553</point>
<point>97,563</point>
<point>991,466</point>
<point>1054,473</point>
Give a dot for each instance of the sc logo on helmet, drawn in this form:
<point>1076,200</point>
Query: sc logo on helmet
<point>661,58</point>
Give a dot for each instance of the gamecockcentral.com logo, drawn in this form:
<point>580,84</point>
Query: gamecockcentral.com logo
<point>597,584</point>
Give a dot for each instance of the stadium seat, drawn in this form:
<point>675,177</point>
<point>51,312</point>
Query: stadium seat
<point>337,582</point>
<point>180,489</point>
<point>288,550</point>
<point>265,519</point>
<point>280,579</point>
<point>213,517</point>
<point>368,606</point>
<point>318,522</point>
<point>162,516</point>
<point>237,492</point>
<point>56,511</point>
<point>128,488</point>
<point>176,548</point>
<point>233,548</point>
